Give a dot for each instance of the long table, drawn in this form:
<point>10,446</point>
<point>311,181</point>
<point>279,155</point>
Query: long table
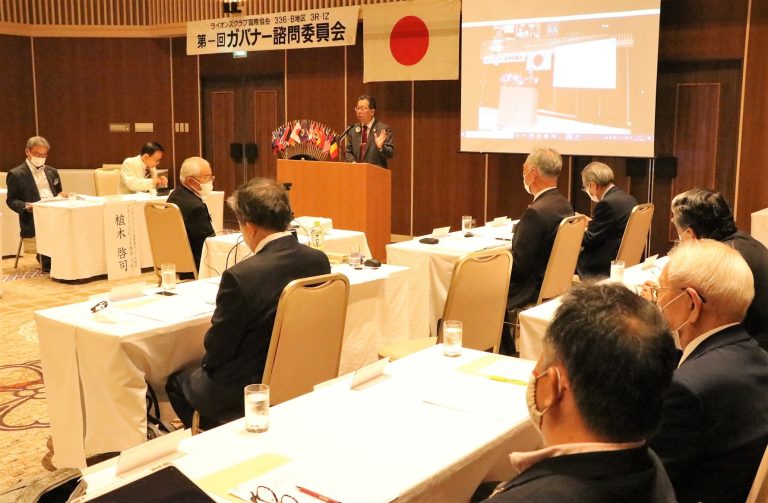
<point>96,370</point>
<point>433,264</point>
<point>432,431</point>
<point>72,232</point>
<point>535,321</point>
<point>225,250</point>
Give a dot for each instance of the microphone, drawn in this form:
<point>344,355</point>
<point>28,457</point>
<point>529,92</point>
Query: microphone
<point>345,133</point>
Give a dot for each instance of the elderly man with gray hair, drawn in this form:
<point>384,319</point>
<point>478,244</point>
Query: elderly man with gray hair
<point>714,424</point>
<point>609,219</point>
<point>196,180</point>
<point>535,232</point>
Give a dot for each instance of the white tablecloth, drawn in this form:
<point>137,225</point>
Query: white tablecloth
<point>760,226</point>
<point>535,321</point>
<point>72,233</point>
<point>226,250</point>
<point>95,371</point>
<point>10,226</point>
<point>433,264</point>
<point>430,432</point>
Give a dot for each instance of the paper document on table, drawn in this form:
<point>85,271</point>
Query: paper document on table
<point>477,397</point>
<point>222,482</point>
<point>168,309</point>
<point>203,290</point>
<point>500,368</point>
<point>308,480</point>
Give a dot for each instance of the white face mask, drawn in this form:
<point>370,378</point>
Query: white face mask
<point>526,186</point>
<point>676,332</point>
<point>37,162</point>
<point>206,188</point>
<point>534,413</point>
<point>593,197</point>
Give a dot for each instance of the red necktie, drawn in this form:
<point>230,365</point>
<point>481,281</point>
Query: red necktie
<point>363,142</point>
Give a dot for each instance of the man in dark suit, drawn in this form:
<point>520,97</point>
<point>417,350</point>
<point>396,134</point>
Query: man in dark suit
<point>606,229</point>
<point>704,213</point>
<point>237,343</point>
<point>714,425</point>
<point>595,396</point>
<point>196,182</point>
<point>370,140</point>
<point>28,183</point>
<point>535,232</point>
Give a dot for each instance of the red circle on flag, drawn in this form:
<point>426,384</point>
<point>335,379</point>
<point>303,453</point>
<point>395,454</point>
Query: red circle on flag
<point>409,40</point>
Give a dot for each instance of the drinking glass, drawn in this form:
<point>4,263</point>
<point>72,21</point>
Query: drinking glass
<point>452,330</point>
<point>466,222</point>
<point>617,270</point>
<point>256,400</point>
<point>168,276</point>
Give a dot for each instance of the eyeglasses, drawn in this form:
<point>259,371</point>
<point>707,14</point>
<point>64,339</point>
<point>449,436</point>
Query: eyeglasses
<point>266,495</point>
<point>205,179</point>
<point>361,109</point>
<point>99,306</point>
<point>654,292</point>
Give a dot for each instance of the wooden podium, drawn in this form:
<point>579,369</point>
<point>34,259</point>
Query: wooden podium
<point>357,196</point>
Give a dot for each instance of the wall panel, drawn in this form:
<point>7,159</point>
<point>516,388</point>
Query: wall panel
<point>83,85</point>
<point>186,101</point>
<point>315,86</point>
<point>16,101</point>
<point>753,189</point>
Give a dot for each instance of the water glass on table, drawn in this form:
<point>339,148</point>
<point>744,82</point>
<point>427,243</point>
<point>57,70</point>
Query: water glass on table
<point>617,271</point>
<point>466,222</point>
<point>452,331</point>
<point>168,276</point>
<point>256,399</point>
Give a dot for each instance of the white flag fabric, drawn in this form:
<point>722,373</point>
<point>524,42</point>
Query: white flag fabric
<point>417,40</point>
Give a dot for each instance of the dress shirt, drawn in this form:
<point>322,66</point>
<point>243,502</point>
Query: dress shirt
<point>43,186</point>
<point>698,340</point>
<point>270,238</point>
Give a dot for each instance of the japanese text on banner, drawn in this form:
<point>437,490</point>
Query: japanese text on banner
<point>283,30</point>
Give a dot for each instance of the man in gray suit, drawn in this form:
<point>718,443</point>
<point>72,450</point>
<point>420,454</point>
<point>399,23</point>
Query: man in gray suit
<point>370,140</point>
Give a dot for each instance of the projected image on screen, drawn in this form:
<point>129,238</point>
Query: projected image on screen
<point>583,82</point>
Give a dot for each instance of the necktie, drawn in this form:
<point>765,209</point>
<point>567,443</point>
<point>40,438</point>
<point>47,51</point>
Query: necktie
<point>363,142</point>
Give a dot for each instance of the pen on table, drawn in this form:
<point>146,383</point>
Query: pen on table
<point>317,495</point>
<point>506,379</point>
<point>504,239</point>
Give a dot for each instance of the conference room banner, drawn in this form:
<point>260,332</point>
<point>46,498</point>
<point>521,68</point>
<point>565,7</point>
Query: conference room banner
<point>120,245</point>
<point>284,30</point>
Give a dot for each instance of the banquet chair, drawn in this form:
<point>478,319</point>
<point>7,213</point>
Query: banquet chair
<point>635,234</point>
<point>168,238</point>
<point>107,179</point>
<point>561,266</point>
<point>759,491</point>
<point>305,348</point>
<point>477,296</point>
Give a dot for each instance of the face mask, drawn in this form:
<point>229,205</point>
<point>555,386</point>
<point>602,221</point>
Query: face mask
<point>593,197</point>
<point>681,237</point>
<point>526,186</point>
<point>206,188</point>
<point>534,413</point>
<point>676,332</point>
<point>37,162</point>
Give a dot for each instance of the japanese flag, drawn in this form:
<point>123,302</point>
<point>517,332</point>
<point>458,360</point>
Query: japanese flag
<point>416,40</point>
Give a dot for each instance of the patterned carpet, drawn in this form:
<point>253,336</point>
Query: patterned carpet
<point>25,444</point>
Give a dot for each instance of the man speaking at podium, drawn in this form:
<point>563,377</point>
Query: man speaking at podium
<point>371,140</point>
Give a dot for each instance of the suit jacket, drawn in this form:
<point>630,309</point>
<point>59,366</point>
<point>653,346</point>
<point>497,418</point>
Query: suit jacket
<point>237,343</point>
<point>756,256</point>
<point>714,424</point>
<point>372,154</point>
<point>133,176</point>
<point>627,475</point>
<point>531,245</point>
<point>197,220</point>
<point>604,233</point>
<point>22,189</point>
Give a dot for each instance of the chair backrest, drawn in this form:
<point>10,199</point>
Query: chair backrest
<point>305,348</point>
<point>168,238</point>
<point>107,179</point>
<point>635,234</point>
<point>561,265</point>
<point>3,175</point>
<point>759,491</point>
<point>477,297</point>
